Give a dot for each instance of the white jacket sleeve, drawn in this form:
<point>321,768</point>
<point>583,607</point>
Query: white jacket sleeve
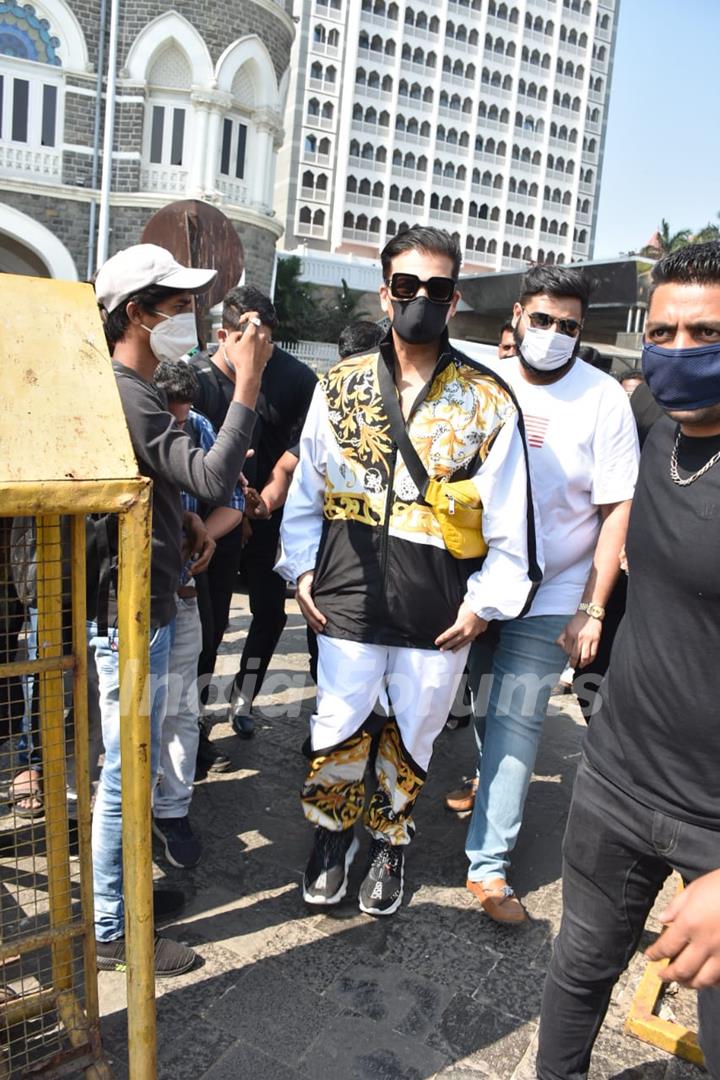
<point>302,522</point>
<point>504,586</point>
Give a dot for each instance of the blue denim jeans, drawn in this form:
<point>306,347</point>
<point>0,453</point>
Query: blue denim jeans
<point>107,816</point>
<point>511,688</point>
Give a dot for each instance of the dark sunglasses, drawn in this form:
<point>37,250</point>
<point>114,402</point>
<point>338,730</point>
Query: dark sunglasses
<point>405,287</point>
<point>540,320</point>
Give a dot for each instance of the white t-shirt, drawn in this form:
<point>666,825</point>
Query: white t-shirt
<point>583,447</point>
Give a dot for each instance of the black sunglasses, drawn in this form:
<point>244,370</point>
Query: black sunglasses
<point>405,287</point>
<point>540,320</point>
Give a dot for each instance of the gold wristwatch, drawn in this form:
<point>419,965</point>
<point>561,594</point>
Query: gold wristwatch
<point>595,611</point>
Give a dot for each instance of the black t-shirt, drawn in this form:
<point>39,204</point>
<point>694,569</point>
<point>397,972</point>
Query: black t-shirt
<point>657,734</point>
<point>285,394</point>
<point>645,410</point>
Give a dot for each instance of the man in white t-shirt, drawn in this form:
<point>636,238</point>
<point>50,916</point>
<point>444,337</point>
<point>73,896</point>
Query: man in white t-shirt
<point>583,457</point>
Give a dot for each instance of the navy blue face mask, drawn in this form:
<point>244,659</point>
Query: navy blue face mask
<point>683,379</point>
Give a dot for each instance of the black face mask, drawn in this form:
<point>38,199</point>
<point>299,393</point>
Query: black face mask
<point>419,321</point>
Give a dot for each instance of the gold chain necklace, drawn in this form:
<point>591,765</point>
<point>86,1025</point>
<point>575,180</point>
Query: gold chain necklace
<point>675,475</point>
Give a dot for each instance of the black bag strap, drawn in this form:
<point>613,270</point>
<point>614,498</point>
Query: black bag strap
<point>398,430</point>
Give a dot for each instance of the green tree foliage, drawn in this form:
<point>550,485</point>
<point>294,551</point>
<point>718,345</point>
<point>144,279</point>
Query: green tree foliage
<point>304,313</point>
<point>664,241</point>
<point>296,302</point>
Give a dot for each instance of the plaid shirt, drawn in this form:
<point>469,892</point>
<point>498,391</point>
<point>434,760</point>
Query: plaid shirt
<point>203,435</point>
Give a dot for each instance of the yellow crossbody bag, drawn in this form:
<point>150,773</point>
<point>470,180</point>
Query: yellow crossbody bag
<point>458,510</point>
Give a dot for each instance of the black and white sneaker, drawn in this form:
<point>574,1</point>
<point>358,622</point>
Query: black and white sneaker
<point>182,847</point>
<point>381,892</point>
<point>326,878</point>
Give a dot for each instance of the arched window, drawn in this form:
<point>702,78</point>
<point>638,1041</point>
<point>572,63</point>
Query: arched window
<point>381,154</point>
<point>348,220</point>
<point>351,184</point>
<point>364,186</point>
<point>319,218</point>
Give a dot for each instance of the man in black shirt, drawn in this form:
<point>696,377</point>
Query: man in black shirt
<point>285,393</point>
<point>647,794</point>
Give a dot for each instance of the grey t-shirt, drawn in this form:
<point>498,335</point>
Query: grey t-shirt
<point>167,456</point>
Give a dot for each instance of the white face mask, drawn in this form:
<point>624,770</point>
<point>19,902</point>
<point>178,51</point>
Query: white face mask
<point>546,350</point>
<point>173,337</point>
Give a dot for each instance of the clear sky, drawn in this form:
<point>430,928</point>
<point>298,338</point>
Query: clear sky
<point>662,151</point>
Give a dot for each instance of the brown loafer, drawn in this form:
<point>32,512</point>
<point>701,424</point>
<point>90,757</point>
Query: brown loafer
<point>498,900</point>
<point>463,798</point>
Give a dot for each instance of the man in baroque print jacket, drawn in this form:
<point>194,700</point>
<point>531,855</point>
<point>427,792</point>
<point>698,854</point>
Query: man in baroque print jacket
<point>395,611</point>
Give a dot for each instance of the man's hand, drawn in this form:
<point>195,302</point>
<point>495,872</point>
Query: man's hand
<point>465,629</point>
<point>248,349</point>
<point>199,545</point>
<point>580,639</point>
<point>255,508</point>
<point>303,594</point>
<point>691,940</point>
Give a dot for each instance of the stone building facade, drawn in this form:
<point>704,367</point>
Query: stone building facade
<point>487,117</point>
<point>198,114</point>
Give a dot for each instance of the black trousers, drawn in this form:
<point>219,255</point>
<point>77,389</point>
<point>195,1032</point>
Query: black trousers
<point>266,593</point>
<point>616,855</point>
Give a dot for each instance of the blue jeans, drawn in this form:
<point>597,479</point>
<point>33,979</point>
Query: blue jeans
<point>509,713</point>
<point>24,746</point>
<point>107,816</point>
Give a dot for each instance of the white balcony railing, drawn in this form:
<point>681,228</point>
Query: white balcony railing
<point>313,158</point>
<point>308,194</point>
<point>323,49</point>
<point>40,164</point>
<point>165,178</point>
<point>235,191</point>
<point>304,228</point>
<point>361,236</point>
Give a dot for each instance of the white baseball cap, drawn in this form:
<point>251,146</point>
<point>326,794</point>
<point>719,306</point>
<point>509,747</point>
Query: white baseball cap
<point>135,268</point>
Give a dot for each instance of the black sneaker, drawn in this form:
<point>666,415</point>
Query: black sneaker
<point>326,878</point>
<point>381,892</point>
<point>167,903</point>
<point>182,847</point>
<point>209,760</point>
<point>242,724</point>
<point>171,958</point>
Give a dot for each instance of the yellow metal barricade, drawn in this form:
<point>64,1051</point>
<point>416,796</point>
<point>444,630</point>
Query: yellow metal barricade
<point>65,453</point>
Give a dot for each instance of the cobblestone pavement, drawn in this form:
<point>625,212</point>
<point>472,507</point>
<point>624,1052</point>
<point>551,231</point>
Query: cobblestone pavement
<point>438,990</point>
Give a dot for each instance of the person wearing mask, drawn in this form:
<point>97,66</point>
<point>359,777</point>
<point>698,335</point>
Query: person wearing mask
<point>146,298</point>
<point>647,792</point>
<point>181,730</point>
<point>394,610</point>
<point>583,456</point>
<point>285,393</point>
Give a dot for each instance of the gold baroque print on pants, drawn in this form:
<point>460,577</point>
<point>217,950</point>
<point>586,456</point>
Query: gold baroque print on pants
<point>333,794</point>
<point>398,786</point>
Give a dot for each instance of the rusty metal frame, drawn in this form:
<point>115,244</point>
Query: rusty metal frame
<point>131,500</point>
<point>644,1024</point>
